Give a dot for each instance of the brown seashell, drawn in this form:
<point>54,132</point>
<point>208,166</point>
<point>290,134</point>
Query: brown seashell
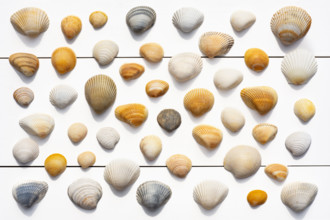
<point>152,52</point>
<point>132,114</point>
<point>131,71</point>
<point>215,44</point>
<point>257,197</point>
<point>256,59</point>
<point>277,172</point>
<point>25,63</point>
<point>86,159</point>
<point>264,132</point>
<point>98,19</point>
<point>71,26</point>
<point>207,136</point>
<point>64,60</point>
<point>23,96</point>
<point>77,132</point>
<point>179,165</point>
<point>55,164</point>
<point>156,88</point>
<point>198,101</point>
<point>304,109</point>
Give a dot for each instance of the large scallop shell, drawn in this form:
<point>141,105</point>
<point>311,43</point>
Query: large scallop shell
<point>105,51</point>
<point>241,20</point>
<point>225,79</point>
<point>257,197</point>
<point>179,165</point>
<point>62,96</point>
<point>77,132</point>
<point>276,171</point>
<point>132,114</point>
<point>264,132</point>
<point>64,60</point>
<point>156,88</point>
<point>298,143</point>
<point>71,26</point>
<point>256,59</point>
<point>198,101</point>
<point>304,109</point>
<point>55,164</point>
<point>26,150</point>
<point>23,96</point>
<point>187,19</point>
<point>108,137</point>
<point>86,159</point>
<point>40,125</point>
<point>152,52</point>
<point>151,146</point>
<point>98,19</point>
<point>25,63</point>
<point>141,18</point>
<point>131,71</point>
<point>215,44</point>
<point>207,136</point>
<point>232,119</point>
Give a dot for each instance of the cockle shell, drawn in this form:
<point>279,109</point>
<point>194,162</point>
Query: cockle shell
<point>85,193</point>
<point>71,26</point>
<point>108,137</point>
<point>156,88</point>
<point>225,79</point>
<point>169,119</point>
<point>298,195</point>
<point>86,159</point>
<point>242,161</point>
<point>187,19</point>
<point>40,125</point>
<point>131,71</point>
<point>26,150</point>
<point>256,59</point>
<point>207,136</point>
<point>151,146</point>
<point>121,173</point>
<point>232,119</point>
<point>264,132</point>
<point>152,52</point>
<point>55,164</point>
<point>100,93</point>
<point>290,24</point>
<point>241,20</point>
<point>179,165</point>
<point>25,63</point>
<point>198,101</point>
<point>98,19</point>
<point>298,143</point>
<point>30,21</point>
<point>304,109</point>
<point>185,66</point>
<point>215,44</point>
<point>23,96</point>
<point>257,197</point>
<point>64,60</point>
<point>62,96</point>
<point>141,18</point>
<point>132,114</point>
<point>77,132</point>
<point>210,193</point>
<point>277,172</point>
<point>105,51</point>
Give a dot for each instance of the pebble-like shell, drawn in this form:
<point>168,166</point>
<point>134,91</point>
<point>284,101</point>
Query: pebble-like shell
<point>29,192</point>
<point>131,71</point>
<point>187,19</point>
<point>121,173</point>
<point>100,92</point>
<point>256,59</point>
<point>64,60</point>
<point>290,24</point>
<point>298,195</point>
<point>299,66</point>
<point>98,19</point>
<point>25,63</point>
<point>30,21</point>
<point>85,193</point>
<point>241,20</point>
<point>298,143</point>
<point>185,66</point>
<point>179,165</point>
<point>71,26</point>
<point>86,159</point>
<point>210,193</point>
<point>108,137</point>
<point>55,164</point>
<point>259,98</point>
<point>77,132</point>
<point>40,125</point>
<point>232,119</point>
<point>151,146</point>
<point>23,96</point>
<point>132,114</point>
<point>152,52</point>
<point>215,44</point>
<point>264,132</point>
<point>304,109</point>
<point>105,51</point>
<point>62,96</point>
<point>225,79</point>
<point>257,197</point>
<point>242,161</point>
<point>198,101</point>
<point>169,119</point>
<point>141,18</point>
<point>276,171</point>
<point>156,88</point>
<point>207,136</point>
<point>26,150</point>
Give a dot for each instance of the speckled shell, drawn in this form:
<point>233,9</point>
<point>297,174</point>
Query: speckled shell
<point>98,19</point>
<point>86,159</point>
<point>62,96</point>
<point>40,125</point>
<point>108,137</point>
<point>26,150</point>
<point>179,165</point>
<point>77,132</point>
<point>264,132</point>
<point>257,197</point>
<point>131,71</point>
<point>277,172</point>
<point>256,59</point>
<point>304,109</point>
<point>232,119</point>
<point>151,146</point>
<point>215,44</point>
<point>156,88</point>
<point>298,143</point>
<point>64,60</point>
<point>198,101</point>
<point>241,20</point>
<point>225,79</point>
<point>55,164</point>
<point>132,114</point>
<point>105,51</point>
<point>23,96</point>
<point>152,52</point>
<point>25,63</point>
<point>187,19</point>
<point>207,136</point>
<point>141,18</point>
<point>71,26</point>
<point>169,119</point>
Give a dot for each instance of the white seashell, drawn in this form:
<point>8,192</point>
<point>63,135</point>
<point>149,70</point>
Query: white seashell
<point>40,125</point>
<point>108,137</point>
<point>187,19</point>
<point>232,119</point>
<point>298,143</point>
<point>62,96</point>
<point>151,146</point>
<point>26,150</point>
<point>226,79</point>
<point>105,51</point>
<point>23,96</point>
<point>241,20</point>
<point>141,18</point>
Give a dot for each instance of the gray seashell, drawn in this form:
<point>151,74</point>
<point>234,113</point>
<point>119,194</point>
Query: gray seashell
<point>108,137</point>
<point>140,19</point>
<point>232,119</point>
<point>298,143</point>
<point>40,125</point>
<point>226,79</point>
<point>169,119</point>
<point>187,19</point>
<point>62,96</point>
<point>23,96</point>
<point>26,150</point>
<point>241,20</point>
<point>105,51</point>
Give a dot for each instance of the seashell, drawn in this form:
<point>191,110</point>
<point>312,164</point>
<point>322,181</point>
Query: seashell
<point>132,114</point>
<point>77,132</point>
<point>277,172</point>
<point>156,88</point>
<point>25,63</point>
<point>257,197</point>
<point>241,20</point>
<point>214,44</point>
<point>153,194</point>
<point>210,193</point>
<point>64,60</point>
<point>259,98</point>
<point>26,150</point>
<point>98,19</point>
<point>207,136</point>
<point>55,164</point>
<point>100,92</point>
<point>23,96</point>
<point>304,109</point>
<point>85,193</point>
<point>299,66</point>
<point>108,137</point>
<point>290,24</point>
<point>187,19</point>
<point>151,146</point>
<point>298,195</point>
<point>226,79</point>
<point>29,192</point>
<point>169,119</point>
<point>152,52</point>
<point>264,132</point>
<point>298,143</point>
<point>256,59</point>
<point>105,51</point>
<point>40,125</point>
<point>30,21</point>
<point>62,96</point>
<point>179,165</point>
<point>198,101</point>
<point>121,173</point>
<point>242,161</point>
<point>131,71</point>
<point>185,66</point>
<point>71,26</point>
<point>232,119</point>
<point>86,159</point>
<point>141,18</point>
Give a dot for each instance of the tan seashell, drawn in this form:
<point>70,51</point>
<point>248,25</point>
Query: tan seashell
<point>23,96</point>
<point>98,19</point>
<point>77,132</point>
<point>25,63</point>
<point>215,44</point>
<point>86,159</point>
<point>55,164</point>
<point>179,165</point>
<point>64,60</point>
<point>207,136</point>
<point>304,109</point>
<point>71,26</point>
<point>256,59</point>
<point>198,101</point>
<point>156,88</point>
<point>264,132</point>
<point>259,98</point>
<point>132,114</point>
<point>277,172</point>
<point>131,71</point>
<point>151,146</point>
<point>257,197</point>
<point>152,52</point>
<point>40,125</point>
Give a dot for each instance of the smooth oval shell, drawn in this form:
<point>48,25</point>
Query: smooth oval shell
<point>141,18</point>
<point>86,159</point>
<point>156,88</point>
<point>256,59</point>
<point>257,197</point>
<point>277,172</point>
<point>207,136</point>
<point>151,146</point>
<point>214,44</point>
<point>169,119</point>
<point>198,101</point>
<point>71,26</point>
<point>264,132</point>
<point>179,165</point>
<point>241,20</point>
<point>187,19</point>
<point>152,52</point>
<point>298,143</point>
<point>77,132</point>
<point>108,137</point>
<point>132,114</point>
<point>64,60</point>
<point>131,71</point>
<point>304,109</point>
<point>232,119</point>
<point>25,63</point>
<point>98,19</point>
<point>55,164</point>
<point>23,96</point>
<point>105,51</point>
<point>62,96</point>
<point>40,125</point>
<point>225,79</point>
<point>26,150</point>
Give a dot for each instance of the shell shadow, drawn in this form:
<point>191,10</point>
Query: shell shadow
<point>286,49</point>
<point>182,85</point>
<point>233,133</point>
<point>178,179</point>
<point>155,99</point>
<point>63,110</point>
<point>139,36</point>
<point>151,65</point>
<point>299,157</point>
<point>25,79</point>
<point>198,119</point>
<point>187,36</point>
<point>257,117</point>
<point>40,141</point>
<point>87,211</point>
<point>102,116</point>
<point>70,41</point>
<point>121,193</point>
<point>278,183</point>
<point>167,133</point>
<point>29,41</point>
<point>151,212</point>
<point>241,34</point>
<point>103,66</point>
<point>298,215</point>
<point>28,211</point>
<point>63,76</point>
<point>226,93</point>
<point>209,152</point>
<point>212,61</point>
<point>297,87</point>
<point>244,180</point>
<point>209,212</point>
<point>129,83</point>
<point>132,129</point>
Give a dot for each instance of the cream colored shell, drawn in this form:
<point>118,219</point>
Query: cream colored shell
<point>151,146</point>
<point>232,119</point>
<point>179,165</point>
<point>304,109</point>
<point>77,132</point>
<point>86,159</point>
<point>98,19</point>
<point>215,44</point>
<point>40,125</point>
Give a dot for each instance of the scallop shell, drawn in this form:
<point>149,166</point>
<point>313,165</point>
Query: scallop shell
<point>179,165</point>
<point>256,59</point>
<point>169,119</point>
<point>98,19</point>
<point>40,125</point>
<point>30,21</point>
<point>304,109</point>
<point>108,137</point>
<point>156,88</point>
<point>277,172</point>
<point>26,150</point>
<point>64,60</point>
<point>259,98</point>
<point>152,52</point>
<point>232,119</point>
<point>198,101</point>
<point>141,18</point>
<point>77,132</point>
<point>25,63</point>
<point>257,197</point>
<point>71,26</point>
<point>121,173</point>
<point>241,20</point>
<point>151,146</point>
<point>29,192</point>
<point>298,195</point>
<point>207,136</point>
<point>242,161</point>
<point>187,19</point>
<point>215,44</point>
<point>131,71</point>
<point>55,164</point>
<point>226,79</point>
<point>85,193</point>
<point>185,66</point>
<point>132,114</point>
<point>100,92</point>
<point>105,51</point>
<point>290,24</point>
<point>62,96</point>
<point>299,66</point>
<point>298,143</point>
<point>153,194</point>
<point>86,159</point>
<point>264,132</point>
<point>210,193</point>
<point>23,96</point>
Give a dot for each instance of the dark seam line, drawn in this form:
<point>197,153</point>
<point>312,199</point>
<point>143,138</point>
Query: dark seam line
<point>167,57</point>
<point>156,166</point>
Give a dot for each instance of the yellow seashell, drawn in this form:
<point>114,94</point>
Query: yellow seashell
<point>207,136</point>
<point>277,172</point>
<point>132,114</point>
<point>198,101</point>
<point>304,109</point>
<point>179,165</point>
<point>26,63</point>
<point>256,59</point>
<point>152,52</point>
<point>86,159</point>
<point>77,132</point>
<point>64,60</point>
<point>156,88</point>
<point>264,132</point>
<point>257,197</point>
<point>55,164</point>
<point>215,44</point>
<point>131,71</point>
<point>71,26</point>
<point>98,19</point>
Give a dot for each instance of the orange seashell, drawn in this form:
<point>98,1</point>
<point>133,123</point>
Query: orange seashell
<point>55,164</point>
<point>152,52</point>
<point>215,44</point>
<point>257,197</point>
<point>264,132</point>
<point>256,59</point>
<point>277,172</point>
<point>304,109</point>
<point>131,71</point>
<point>207,136</point>
<point>71,26</point>
<point>198,101</point>
<point>64,60</point>
<point>179,165</point>
<point>98,19</point>
<point>132,114</point>
<point>26,63</point>
<point>156,88</point>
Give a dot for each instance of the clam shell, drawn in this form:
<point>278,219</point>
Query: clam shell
<point>86,159</point>
<point>264,132</point>
<point>71,26</point>
<point>141,18</point>
<point>62,96</point>
<point>214,44</point>
<point>85,193</point>
<point>256,59</point>
<point>30,21</point>
<point>256,197</point>
<point>152,52</point>
<point>298,143</point>
<point>77,132</point>
<point>185,66</point>
<point>207,136</point>
<point>242,161</point>
<point>232,119</point>
<point>290,24</point>
<point>210,193</point>
<point>131,71</point>
<point>304,109</point>
<point>156,88</point>
<point>108,137</point>
<point>132,114</point>
<point>241,20</point>
<point>40,125</point>
<point>55,164</point>
<point>151,146</point>
<point>277,172</point>
<point>226,79</point>
<point>121,173</point>
<point>179,165</point>
<point>187,19</point>
<point>64,60</point>
<point>198,101</point>
<point>23,96</point>
<point>26,150</point>
<point>169,119</point>
<point>98,19</point>
<point>25,63</point>
<point>105,51</point>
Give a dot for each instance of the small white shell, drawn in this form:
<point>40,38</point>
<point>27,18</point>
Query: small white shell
<point>26,150</point>
<point>105,51</point>
<point>108,137</point>
<point>151,146</point>
<point>62,96</point>
<point>40,125</point>
<point>241,20</point>
<point>298,143</point>
<point>232,119</point>
<point>187,19</point>
<point>226,79</point>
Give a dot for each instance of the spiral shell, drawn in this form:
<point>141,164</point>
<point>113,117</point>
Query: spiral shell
<point>40,125</point>
<point>71,26</point>
<point>215,44</point>
<point>132,114</point>
<point>198,101</point>
<point>156,88</point>
<point>108,137</point>
<point>141,18</point>
<point>23,96</point>
<point>25,63</point>
<point>105,51</point>
<point>304,109</point>
<point>64,60</point>
<point>55,164</point>
<point>264,132</point>
<point>256,59</point>
<point>298,143</point>
<point>151,146</point>
<point>98,19</point>
<point>62,96</point>
<point>187,19</point>
<point>207,136</point>
<point>179,165</point>
<point>152,52</point>
<point>277,172</point>
<point>26,150</point>
<point>131,71</point>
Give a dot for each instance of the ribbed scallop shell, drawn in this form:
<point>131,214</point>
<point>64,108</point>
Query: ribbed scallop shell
<point>25,63</point>
<point>215,44</point>
<point>77,132</point>
<point>23,96</point>
<point>225,79</point>
<point>131,71</point>
<point>187,19</point>
<point>98,19</point>
<point>100,92</point>
<point>71,26</point>
<point>298,143</point>
<point>179,165</point>
<point>62,96</point>
<point>241,20</point>
<point>105,51</point>
<point>30,21</point>
<point>55,164</point>
<point>86,159</point>
<point>64,60</point>
<point>304,109</point>
<point>198,101</point>
<point>232,119</point>
<point>141,18</point>
<point>151,146</point>
<point>26,150</point>
<point>108,137</point>
<point>132,114</point>
<point>264,132</point>
<point>277,172</point>
<point>256,59</point>
<point>40,125</point>
<point>207,136</point>
<point>156,88</point>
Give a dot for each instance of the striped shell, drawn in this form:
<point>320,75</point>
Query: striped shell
<point>86,159</point>
<point>64,60</point>
<point>132,114</point>
<point>298,143</point>
<point>198,101</point>
<point>108,137</point>
<point>207,136</point>
<point>98,19</point>
<point>277,172</point>
<point>26,150</point>
<point>105,51</point>
<point>40,125</point>
<point>232,119</point>
<point>25,63</point>
<point>77,132</point>
<point>152,52</point>
<point>131,71</point>
<point>256,59</point>
<point>71,26</point>
<point>264,132</point>
<point>179,165</point>
<point>304,109</point>
<point>23,96</point>
<point>151,146</point>
<point>141,18</point>
<point>215,44</point>
<point>257,197</point>
<point>62,96</point>
<point>55,164</point>
<point>187,19</point>
<point>156,88</point>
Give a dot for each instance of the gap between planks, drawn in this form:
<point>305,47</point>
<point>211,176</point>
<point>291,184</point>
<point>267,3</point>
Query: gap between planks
<point>168,57</point>
<point>152,166</point>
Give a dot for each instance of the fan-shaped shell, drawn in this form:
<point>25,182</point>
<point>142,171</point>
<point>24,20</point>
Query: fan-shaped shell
<point>25,63</point>
<point>298,143</point>
<point>256,59</point>
<point>62,96</point>
<point>86,159</point>
<point>187,19</point>
<point>55,164</point>
<point>179,165</point>
<point>71,26</point>
<point>152,52</point>
<point>40,125</point>
<point>141,18</point>
<point>198,101</point>
<point>256,197</point>
<point>98,19</point>
<point>105,51</point>
<point>23,96</point>
<point>276,171</point>
<point>207,136</point>
<point>169,119</point>
<point>304,109</point>
<point>64,60</point>
<point>77,132</point>
<point>132,114</point>
<point>226,79</point>
<point>156,88</point>
<point>108,137</point>
<point>232,119</point>
<point>131,71</point>
<point>264,132</point>
<point>151,146</point>
<point>26,150</point>
<point>241,20</point>
<point>215,44</point>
